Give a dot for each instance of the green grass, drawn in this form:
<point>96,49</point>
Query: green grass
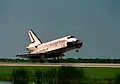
<point>7,70</point>
<point>101,73</point>
<point>97,73</point>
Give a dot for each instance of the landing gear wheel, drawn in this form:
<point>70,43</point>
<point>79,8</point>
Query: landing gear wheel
<point>77,50</point>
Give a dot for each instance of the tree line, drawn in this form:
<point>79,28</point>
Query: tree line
<point>65,60</point>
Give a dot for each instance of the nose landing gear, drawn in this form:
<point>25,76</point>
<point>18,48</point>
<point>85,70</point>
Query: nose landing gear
<point>77,50</point>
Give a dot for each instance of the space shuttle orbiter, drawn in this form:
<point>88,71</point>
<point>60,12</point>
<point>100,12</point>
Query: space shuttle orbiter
<point>55,48</point>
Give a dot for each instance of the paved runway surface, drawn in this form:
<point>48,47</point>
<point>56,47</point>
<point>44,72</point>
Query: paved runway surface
<point>62,64</point>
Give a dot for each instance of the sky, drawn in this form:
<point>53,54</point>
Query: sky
<point>95,22</point>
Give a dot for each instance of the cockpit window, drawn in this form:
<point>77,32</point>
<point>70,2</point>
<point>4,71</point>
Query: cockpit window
<point>70,37</point>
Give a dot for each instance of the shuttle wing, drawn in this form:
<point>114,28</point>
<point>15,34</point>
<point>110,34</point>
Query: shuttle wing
<point>49,54</point>
<point>30,55</point>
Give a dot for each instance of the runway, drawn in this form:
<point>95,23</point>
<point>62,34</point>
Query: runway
<point>63,64</point>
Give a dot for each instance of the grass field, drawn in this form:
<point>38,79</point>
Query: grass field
<point>101,73</point>
<point>97,73</point>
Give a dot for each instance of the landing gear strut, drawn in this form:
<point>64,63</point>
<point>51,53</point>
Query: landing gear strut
<point>60,58</point>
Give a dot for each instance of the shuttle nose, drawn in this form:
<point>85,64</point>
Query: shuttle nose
<point>76,44</point>
<point>79,43</point>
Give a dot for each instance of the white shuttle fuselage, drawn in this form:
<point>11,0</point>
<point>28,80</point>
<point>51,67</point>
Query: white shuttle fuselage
<point>54,48</point>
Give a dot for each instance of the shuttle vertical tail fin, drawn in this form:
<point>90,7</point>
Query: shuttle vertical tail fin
<point>33,38</point>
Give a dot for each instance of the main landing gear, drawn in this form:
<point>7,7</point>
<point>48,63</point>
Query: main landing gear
<point>59,58</point>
